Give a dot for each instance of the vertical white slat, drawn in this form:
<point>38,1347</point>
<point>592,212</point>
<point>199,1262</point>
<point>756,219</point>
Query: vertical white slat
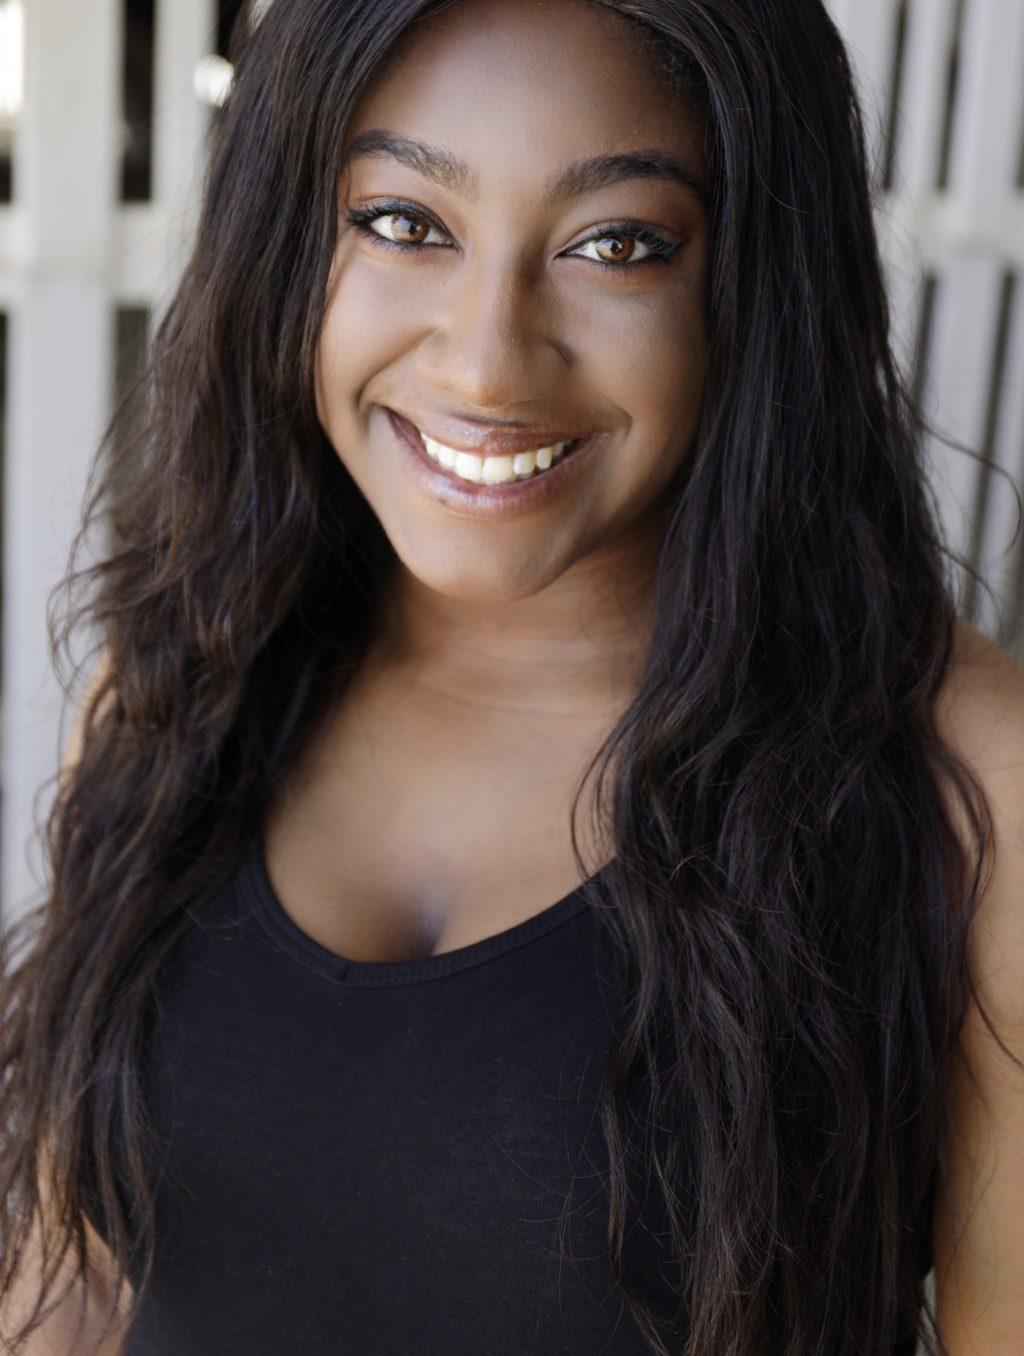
<point>920,108</point>
<point>11,75</point>
<point>837,10</point>
<point>990,108</point>
<point>61,375</point>
<point>903,265</point>
<point>982,168</point>
<point>922,95</point>
<point>957,382</point>
<point>186,33</point>
<point>868,28</point>
<point>1000,555</point>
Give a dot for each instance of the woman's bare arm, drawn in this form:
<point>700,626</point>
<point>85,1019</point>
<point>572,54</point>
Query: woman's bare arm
<point>978,1239</point>
<point>74,1326</point>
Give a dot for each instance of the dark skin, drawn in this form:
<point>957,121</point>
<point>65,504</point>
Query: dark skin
<point>432,809</point>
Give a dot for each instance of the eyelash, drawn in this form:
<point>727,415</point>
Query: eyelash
<point>661,250</point>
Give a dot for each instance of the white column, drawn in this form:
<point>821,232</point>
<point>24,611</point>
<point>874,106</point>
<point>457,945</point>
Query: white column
<point>956,386</point>
<point>922,97</point>
<point>983,166</point>
<point>920,106</point>
<point>73,244</point>
<point>1000,553</point>
<point>983,163</point>
<point>869,28</point>
<point>186,33</point>
<point>66,167</point>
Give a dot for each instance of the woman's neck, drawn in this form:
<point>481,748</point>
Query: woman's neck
<point>575,651</point>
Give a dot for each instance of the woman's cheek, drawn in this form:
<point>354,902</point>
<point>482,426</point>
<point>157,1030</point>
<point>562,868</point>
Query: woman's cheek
<point>653,367</point>
<point>360,336</point>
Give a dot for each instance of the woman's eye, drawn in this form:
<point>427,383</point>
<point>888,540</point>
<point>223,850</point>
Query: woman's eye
<point>628,246</point>
<point>617,248</point>
<point>403,228</point>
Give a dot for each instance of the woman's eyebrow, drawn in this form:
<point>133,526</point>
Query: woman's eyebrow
<point>583,176</point>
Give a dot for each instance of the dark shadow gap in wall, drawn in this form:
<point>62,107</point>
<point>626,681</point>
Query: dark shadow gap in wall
<point>6,162</point>
<point>952,90</point>
<point>12,63</point>
<point>137,100</point>
<point>923,335</point>
<point>895,87</point>
<point>131,329</point>
<point>131,344</point>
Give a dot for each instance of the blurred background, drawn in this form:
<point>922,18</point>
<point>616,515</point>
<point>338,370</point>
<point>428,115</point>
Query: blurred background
<point>105,108</point>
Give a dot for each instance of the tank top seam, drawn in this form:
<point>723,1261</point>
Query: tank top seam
<point>288,937</point>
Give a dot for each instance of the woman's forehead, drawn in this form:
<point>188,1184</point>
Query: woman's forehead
<point>496,81</point>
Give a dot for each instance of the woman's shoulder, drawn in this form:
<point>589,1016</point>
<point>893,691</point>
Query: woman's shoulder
<point>978,1243</point>
<point>982,700</point>
<point>980,716</point>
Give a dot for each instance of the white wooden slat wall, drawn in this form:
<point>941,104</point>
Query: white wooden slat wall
<point>60,367</point>
<point>967,235</point>
<point>999,564</point>
<point>70,254</point>
<point>981,182</point>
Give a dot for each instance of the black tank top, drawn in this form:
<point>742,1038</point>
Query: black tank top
<point>375,1159</point>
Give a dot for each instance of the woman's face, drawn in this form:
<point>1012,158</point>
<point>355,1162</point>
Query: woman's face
<point>522,312</point>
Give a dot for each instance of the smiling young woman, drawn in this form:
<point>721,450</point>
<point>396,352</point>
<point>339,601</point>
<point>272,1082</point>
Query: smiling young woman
<point>517,869</point>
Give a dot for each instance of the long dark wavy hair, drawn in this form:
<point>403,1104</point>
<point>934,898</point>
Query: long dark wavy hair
<point>798,855</point>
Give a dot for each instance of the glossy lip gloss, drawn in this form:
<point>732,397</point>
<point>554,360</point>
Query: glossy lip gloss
<point>514,499</point>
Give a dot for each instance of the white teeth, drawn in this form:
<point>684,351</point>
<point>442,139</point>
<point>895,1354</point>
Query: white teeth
<point>492,470</point>
<point>496,470</point>
<point>468,466</point>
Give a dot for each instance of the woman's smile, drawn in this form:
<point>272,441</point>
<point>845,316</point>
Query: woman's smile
<point>503,484</point>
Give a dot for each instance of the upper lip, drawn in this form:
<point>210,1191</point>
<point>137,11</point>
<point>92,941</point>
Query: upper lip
<point>493,441</point>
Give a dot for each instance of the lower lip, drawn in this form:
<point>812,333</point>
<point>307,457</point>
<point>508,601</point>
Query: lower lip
<point>514,499</point>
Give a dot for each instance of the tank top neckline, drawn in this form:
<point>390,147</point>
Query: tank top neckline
<point>286,933</point>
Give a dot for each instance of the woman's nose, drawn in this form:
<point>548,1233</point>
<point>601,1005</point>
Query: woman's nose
<point>493,343</point>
